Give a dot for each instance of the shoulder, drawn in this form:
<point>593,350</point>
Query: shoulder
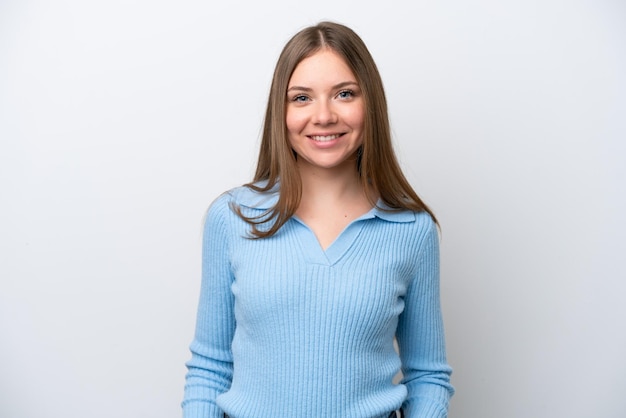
<point>425,223</point>
<point>417,229</point>
<point>254,196</point>
<point>426,235</point>
<point>216,216</point>
<point>243,195</point>
<point>411,232</point>
<point>219,206</point>
<point>242,198</point>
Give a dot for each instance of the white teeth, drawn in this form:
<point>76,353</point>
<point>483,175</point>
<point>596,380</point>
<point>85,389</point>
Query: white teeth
<point>325,138</point>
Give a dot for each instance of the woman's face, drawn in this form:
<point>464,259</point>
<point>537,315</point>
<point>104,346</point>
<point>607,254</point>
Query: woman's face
<point>325,111</point>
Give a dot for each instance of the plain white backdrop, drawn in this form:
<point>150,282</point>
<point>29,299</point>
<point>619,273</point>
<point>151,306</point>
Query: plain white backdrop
<point>120,121</point>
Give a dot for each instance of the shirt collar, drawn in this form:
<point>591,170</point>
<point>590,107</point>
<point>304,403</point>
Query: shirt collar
<point>245,196</point>
<point>387,213</point>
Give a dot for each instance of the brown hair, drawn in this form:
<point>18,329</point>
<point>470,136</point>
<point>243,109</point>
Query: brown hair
<point>377,165</point>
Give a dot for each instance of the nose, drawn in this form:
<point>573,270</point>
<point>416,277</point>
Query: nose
<point>324,113</point>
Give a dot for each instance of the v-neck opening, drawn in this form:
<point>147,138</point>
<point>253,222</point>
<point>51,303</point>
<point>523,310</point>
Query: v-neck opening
<point>313,250</point>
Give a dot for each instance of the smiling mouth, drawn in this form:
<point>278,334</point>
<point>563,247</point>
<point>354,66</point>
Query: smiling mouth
<point>324,138</point>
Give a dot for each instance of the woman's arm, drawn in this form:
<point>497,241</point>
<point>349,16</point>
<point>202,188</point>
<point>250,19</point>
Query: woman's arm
<point>421,338</point>
<point>211,366</point>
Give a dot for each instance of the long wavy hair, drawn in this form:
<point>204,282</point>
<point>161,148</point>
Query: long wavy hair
<point>377,165</point>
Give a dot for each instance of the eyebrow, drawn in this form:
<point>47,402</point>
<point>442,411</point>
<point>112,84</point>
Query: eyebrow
<point>336,86</point>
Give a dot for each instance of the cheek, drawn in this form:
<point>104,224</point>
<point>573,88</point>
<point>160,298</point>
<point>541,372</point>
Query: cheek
<point>357,118</point>
<point>294,121</point>
<point>355,113</point>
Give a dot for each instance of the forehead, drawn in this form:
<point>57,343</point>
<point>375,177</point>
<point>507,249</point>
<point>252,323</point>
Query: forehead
<point>323,66</point>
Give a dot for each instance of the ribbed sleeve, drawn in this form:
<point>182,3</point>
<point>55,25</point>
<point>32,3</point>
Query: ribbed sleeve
<point>421,337</point>
<point>285,328</point>
<point>211,366</point>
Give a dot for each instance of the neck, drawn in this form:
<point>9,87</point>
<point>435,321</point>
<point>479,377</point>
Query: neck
<point>327,180</point>
<point>337,183</point>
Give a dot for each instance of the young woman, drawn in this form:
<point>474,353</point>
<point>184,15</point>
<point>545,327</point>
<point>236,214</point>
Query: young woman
<point>311,271</point>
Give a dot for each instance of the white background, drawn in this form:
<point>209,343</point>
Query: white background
<point>120,121</point>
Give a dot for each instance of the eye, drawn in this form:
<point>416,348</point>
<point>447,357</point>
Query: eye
<point>299,98</point>
<point>345,94</point>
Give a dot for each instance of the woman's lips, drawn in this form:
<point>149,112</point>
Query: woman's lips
<point>324,138</point>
